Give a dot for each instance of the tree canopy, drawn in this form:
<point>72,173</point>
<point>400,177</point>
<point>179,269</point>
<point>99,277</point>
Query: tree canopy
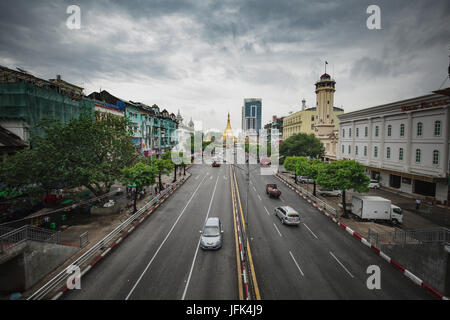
<point>302,145</point>
<point>88,151</point>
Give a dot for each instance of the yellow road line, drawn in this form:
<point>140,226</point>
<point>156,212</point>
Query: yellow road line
<point>252,268</point>
<point>241,294</point>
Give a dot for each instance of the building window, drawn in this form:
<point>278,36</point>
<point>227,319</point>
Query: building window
<point>388,152</point>
<point>365,151</point>
<point>400,154</point>
<point>376,131</point>
<point>343,133</point>
<point>349,149</point>
<point>436,156</point>
<point>366,132</point>
<point>375,152</point>
<point>419,129</point>
<point>312,118</point>
<point>389,130</point>
<point>349,132</point>
<point>357,132</point>
<point>437,128</point>
<point>356,150</point>
<point>343,149</point>
<point>402,130</point>
<point>418,154</point>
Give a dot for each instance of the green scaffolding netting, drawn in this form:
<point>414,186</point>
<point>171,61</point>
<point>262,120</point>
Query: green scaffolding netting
<point>22,100</point>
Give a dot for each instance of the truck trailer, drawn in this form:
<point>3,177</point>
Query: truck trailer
<point>376,208</point>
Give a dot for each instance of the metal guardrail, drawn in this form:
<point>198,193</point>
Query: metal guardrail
<point>61,277</point>
<point>402,237</point>
<point>320,203</point>
<point>28,233</point>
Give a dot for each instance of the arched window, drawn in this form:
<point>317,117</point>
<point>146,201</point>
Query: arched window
<point>419,129</point>
<point>388,152</point>
<point>402,130</point>
<point>400,154</point>
<point>435,157</point>
<point>418,154</point>
<point>437,128</point>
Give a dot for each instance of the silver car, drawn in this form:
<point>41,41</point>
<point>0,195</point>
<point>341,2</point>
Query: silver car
<point>330,193</point>
<point>287,215</point>
<point>212,234</point>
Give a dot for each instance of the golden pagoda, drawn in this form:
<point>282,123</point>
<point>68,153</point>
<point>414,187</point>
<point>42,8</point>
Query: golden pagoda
<point>228,133</point>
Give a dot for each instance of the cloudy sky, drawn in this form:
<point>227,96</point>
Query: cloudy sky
<point>205,56</point>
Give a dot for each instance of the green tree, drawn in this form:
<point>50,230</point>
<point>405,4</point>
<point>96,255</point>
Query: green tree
<point>310,169</point>
<point>163,166</point>
<point>344,175</point>
<point>290,164</point>
<point>302,145</point>
<point>88,151</point>
<point>140,175</point>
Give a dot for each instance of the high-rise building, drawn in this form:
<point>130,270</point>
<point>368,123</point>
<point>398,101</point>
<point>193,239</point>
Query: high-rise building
<point>252,114</point>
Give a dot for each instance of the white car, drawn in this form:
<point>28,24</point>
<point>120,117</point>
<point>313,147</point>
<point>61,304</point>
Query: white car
<point>330,193</point>
<point>374,184</point>
<point>287,215</point>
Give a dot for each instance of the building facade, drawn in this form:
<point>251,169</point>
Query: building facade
<point>404,144</point>
<point>252,114</point>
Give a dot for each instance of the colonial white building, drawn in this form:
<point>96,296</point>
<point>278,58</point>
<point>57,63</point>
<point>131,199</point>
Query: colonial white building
<point>405,144</point>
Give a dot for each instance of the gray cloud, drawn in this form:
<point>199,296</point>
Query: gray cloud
<point>203,55</point>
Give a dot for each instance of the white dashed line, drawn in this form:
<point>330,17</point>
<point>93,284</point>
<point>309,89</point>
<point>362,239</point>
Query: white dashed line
<point>310,230</point>
<point>292,256</point>
<point>341,264</point>
<point>267,211</point>
<point>277,230</point>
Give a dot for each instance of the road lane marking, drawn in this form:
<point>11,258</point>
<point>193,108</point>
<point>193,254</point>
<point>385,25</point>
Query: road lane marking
<point>267,211</point>
<point>254,189</point>
<point>341,264</point>
<point>282,199</point>
<point>259,197</point>
<point>198,245</point>
<point>277,230</point>
<point>164,241</point>
<point>310,230</point>
<point>292,256</point>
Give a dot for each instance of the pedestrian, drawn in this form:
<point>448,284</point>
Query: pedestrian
<point>156,189</point>
<point>418,204</point>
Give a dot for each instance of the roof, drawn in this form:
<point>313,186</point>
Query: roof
<point>213,221</point>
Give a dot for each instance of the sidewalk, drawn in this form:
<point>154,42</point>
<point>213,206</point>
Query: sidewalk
<point>427,217</point>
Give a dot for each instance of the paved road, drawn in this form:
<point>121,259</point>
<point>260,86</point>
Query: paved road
<point>316,260</point>
<point>160,260</point>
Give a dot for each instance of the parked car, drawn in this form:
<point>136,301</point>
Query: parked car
<point>374,184</point>
<point>303,179</point>
<point>212,234</point>
<point>287,215</point>
<point>216,164</point>
<point>272,190</point>
<point>329,193</point>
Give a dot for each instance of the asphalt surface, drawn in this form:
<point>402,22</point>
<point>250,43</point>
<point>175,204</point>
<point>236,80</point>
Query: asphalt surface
<point>160,260</point>
<point>317,259</point>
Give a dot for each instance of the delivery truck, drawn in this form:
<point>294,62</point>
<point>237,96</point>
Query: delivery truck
<point>376,208</point>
